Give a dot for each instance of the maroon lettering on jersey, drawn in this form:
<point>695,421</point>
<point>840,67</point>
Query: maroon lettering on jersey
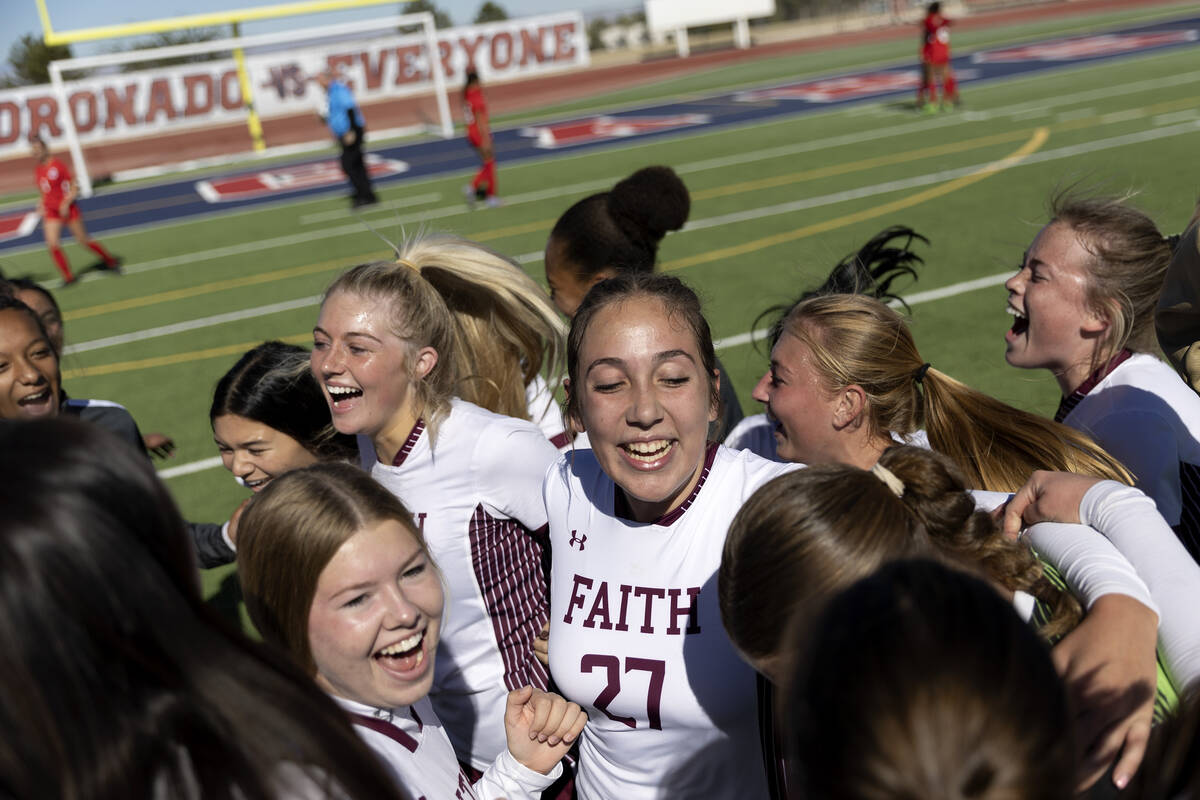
<point>650,593</point>
<point>577,599</point>
<point>625,590</point>
<point>599,609</point>
<point>655,618</point>
<point>421,521</point>
<point>692,611</point>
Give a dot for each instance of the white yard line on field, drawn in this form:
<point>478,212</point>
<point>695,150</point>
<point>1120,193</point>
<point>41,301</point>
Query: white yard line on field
<point>1187,126</point>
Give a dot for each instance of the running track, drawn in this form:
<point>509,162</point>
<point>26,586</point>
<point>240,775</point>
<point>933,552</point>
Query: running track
<point>181,199</point>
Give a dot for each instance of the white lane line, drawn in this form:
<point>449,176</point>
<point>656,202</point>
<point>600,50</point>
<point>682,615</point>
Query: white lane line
<point>405,202</point>
<point>191,325</point>
<point>188,469</point>
<point>912,299</point>
<point>720,344</point>
<point>1187,126</point>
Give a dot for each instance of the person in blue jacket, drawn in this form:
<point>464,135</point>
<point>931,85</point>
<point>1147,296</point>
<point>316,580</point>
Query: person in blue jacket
<point>345,121</point>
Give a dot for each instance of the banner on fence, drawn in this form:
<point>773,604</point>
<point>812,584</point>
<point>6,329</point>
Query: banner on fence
<point>126,105</point>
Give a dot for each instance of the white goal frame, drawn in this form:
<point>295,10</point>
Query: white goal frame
<point>234,45</point>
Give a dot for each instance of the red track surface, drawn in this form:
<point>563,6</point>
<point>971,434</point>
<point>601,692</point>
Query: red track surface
<point>16,174</point>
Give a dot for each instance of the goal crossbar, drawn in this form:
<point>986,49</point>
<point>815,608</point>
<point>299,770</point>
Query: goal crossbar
<point>238,45</point>
<point>52,37</point>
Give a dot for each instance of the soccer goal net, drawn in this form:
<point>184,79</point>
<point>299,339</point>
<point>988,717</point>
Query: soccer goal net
<point>210,100</point>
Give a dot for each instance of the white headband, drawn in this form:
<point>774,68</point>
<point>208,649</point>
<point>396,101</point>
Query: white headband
<point>887,476</point>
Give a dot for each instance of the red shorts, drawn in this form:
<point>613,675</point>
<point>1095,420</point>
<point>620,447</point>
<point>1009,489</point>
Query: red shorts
<point>937,54</point>
<point>473,136</point>
<point>52,213</point>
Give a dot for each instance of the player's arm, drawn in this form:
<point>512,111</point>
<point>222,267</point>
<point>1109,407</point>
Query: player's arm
<point>72,192</point>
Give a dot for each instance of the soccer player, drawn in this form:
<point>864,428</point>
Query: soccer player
<point>935,61</point>
<point>57,205</point>
<point>387,357</point>
<point>479,134</point>
<point>636,525</point>
<point>1083,301</point>
<point>345,122</point>
<point>336,571</point>
<point>846,382</point>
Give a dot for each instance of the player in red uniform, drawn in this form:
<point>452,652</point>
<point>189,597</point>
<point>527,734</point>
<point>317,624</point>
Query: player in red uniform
<point>479,133</point>
<point>935,60</point>
<point>57,205</point>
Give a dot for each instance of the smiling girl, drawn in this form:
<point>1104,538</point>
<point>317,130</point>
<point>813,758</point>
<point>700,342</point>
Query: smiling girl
<point>1083,301</point>
<point>846,382</point>
<point>335,571</point>
<point>388,356</point>
<point>637,524</point>
<point>269,417</point>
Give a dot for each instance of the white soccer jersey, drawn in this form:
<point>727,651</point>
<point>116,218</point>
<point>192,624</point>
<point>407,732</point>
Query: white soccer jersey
<point>1146,417</point>
<point>755,433</point>
<point>413,746</point>
<point>475,493</point>
<point>545,412</point>
<point>636,636</point>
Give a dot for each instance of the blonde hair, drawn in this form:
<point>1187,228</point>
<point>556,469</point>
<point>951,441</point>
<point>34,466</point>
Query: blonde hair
<point>289,533</point>
<point>820,529</point>
<point>859,340</point>
<point>1126,271</point>
<point>506,331</point>
<point>492,326</point>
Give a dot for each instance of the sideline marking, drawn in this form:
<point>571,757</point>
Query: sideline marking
<point>720,344</point>
<point>207,288</point>
<point>175,358</point>
<point>191,325</point>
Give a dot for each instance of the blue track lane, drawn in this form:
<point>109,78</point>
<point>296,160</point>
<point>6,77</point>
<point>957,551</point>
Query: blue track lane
<point>179,200</point>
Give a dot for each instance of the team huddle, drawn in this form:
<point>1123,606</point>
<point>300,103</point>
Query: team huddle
<point>889,584</point>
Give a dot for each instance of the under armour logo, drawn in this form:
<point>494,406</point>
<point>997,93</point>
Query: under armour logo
<point>577,540</point>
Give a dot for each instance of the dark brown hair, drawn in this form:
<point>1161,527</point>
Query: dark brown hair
<point>921,682</point>
<point>620,230</point>
<point>679,302</point>
<point>116,679</point>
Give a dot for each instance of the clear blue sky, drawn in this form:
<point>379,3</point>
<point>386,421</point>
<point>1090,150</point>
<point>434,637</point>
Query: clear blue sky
<point>21,17</point>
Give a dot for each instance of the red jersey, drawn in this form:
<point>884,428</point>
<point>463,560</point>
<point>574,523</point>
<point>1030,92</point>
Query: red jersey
<point>53,179</point>
<point>935,43</point>
<point>474,111</point>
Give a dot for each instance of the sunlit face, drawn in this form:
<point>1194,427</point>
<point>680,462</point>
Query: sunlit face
<point>363,368</point>
<point>567,289</point>
<point>645,403</point>
<point>29,379</point>
<point>800,405</point>
<point>47,313</point>
<point>374,624</point>
<point>1054,328</point>
<point>255,452</point>
<point>40,151</point>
